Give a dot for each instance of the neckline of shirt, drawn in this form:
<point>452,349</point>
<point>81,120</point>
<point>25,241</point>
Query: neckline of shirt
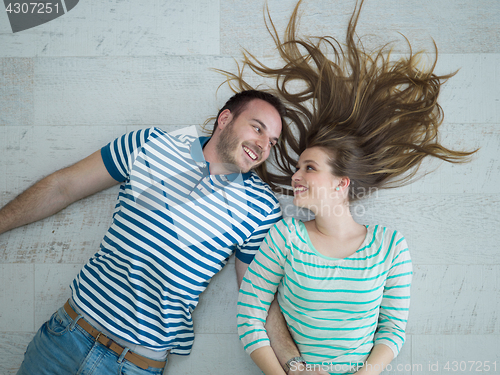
<point>198,157</point>
<point>305,234</point>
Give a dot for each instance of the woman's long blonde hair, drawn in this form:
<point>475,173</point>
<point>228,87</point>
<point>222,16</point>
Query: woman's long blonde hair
<point>377,118</point>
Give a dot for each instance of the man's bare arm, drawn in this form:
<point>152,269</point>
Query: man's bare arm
<point>56,191</point>
<point>277,330</point>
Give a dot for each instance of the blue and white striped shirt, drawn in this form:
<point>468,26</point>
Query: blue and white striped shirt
<point>173,228</point>
<point>336,309</point>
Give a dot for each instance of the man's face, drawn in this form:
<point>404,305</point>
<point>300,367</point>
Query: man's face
<point>246,141</point>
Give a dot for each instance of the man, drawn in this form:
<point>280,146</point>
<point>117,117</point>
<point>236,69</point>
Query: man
<point>185,204</point>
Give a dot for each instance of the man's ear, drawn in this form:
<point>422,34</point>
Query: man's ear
<point>224,118</point>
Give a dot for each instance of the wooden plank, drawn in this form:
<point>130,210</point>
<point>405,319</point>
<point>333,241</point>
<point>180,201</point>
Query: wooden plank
<point>481,175</point>
<point>435,352</point>
<point>4,23</point>
<point>121,28</point>
<point>213,354</point>
<point>223,353</point>
<point>161,91</point>
<point>16,298</point>
<point>439,229</point>
<point>12,346</point>
<point>16,91</point>
<point>70,237</point>
<point>471,96</point>
<point>456,26</point>
<point>455,300</point>
<point>216,311</point>
<point>3,167</point>
<point>37,151</point>
<point>52,288</point>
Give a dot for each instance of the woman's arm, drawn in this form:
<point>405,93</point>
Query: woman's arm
<point>282,344</point>
<point>393,315</point>
<point>267,361</point>
<point>395,305</point>
<point>257,293</point>
<point>258,287</point>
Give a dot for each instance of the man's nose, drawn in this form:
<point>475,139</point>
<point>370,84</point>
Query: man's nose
<point>263,143</point>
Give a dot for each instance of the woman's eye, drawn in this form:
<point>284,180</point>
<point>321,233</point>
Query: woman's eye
<point>309,168</point>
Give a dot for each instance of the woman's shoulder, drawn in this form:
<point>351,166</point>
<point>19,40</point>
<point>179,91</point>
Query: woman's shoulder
<point>287,227</point>
<point>288,222</point>
<point>385,237</point>
<point>380,230</point>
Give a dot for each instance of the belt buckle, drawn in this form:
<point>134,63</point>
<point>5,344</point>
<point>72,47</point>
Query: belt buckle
<point>108,344</point>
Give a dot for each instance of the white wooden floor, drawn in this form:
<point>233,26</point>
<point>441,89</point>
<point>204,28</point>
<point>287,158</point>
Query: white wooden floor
<point>106,67</point>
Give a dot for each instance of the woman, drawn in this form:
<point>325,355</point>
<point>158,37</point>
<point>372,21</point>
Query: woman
<point>343,287</point>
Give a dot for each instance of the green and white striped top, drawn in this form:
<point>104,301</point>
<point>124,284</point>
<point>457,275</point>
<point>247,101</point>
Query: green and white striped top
<point>336,309</point>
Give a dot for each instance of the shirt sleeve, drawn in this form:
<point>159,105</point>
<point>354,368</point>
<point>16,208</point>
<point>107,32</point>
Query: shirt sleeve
<point>118,155</point>
<point>396,300</point>
<point>247,251</point>
<point>258,288</point>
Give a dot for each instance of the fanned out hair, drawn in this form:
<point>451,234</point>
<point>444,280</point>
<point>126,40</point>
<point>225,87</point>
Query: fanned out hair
<point>376,118</point>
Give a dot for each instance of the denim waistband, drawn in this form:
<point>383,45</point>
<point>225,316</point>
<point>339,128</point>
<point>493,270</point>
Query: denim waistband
<point>158,355</point>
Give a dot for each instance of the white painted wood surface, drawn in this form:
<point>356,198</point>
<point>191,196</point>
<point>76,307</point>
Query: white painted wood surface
<point>70,86</point>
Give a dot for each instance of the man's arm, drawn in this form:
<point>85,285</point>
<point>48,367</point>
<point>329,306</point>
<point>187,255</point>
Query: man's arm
<point>281,341</point>
<point>56,191</point>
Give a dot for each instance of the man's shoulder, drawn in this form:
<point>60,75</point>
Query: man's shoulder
<point>187,134</point>
<point>178,141</point>
<point>256,185</point>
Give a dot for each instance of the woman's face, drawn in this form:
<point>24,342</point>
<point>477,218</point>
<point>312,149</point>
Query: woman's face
<point>314,184</point>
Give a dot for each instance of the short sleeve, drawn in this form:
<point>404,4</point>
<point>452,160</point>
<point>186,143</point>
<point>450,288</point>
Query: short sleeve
<point>247,251</point>
<point>119,154</point>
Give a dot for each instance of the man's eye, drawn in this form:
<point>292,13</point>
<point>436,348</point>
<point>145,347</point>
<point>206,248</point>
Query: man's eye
<point>257,129</point>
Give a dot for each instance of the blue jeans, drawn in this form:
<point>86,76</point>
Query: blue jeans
<point>61,347</point>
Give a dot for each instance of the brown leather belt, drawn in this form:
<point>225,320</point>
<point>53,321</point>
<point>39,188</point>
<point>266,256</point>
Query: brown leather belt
<point>101,338</point>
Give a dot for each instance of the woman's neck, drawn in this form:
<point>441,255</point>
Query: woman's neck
<point>336,223</point>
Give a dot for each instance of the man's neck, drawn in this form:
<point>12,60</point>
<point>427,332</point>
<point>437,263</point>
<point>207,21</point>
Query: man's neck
<point>212,157</point>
